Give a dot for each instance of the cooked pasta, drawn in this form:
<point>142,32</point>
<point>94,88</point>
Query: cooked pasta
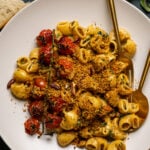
<point>70,119</point>
<point>79,32</point>
<point>21,75</point>
<point>34,54</point>
<point>64,28</point>
<point>128,45</point>
<point>125,107</point>
<point>23,62</point>
<point>33,66</point>
<point>20,90</point>
<point>129,122</point>
<point>96,143</point>
<point>117,145</point>
<point>77,88</point>
<point>65,138</point>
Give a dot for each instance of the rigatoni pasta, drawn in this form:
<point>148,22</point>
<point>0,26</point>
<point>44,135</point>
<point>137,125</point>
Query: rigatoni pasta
<point>77,88</point>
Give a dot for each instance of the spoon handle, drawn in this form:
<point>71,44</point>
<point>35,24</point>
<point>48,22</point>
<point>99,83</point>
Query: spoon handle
<point>145,70</point>
<point>115,23</point>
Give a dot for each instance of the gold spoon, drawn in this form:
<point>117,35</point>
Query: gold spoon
<point>121,55</point>
<point>138,96</point>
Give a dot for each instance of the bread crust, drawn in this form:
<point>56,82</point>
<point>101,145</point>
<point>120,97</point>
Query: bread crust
<point>8,8</point>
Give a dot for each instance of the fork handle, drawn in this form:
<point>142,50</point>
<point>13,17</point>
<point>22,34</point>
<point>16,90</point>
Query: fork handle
<point>145,70</point>
<point>111,4</point>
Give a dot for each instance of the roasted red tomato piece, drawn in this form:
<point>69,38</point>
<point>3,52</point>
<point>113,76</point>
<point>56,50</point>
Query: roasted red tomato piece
<point>39,87</point>
<point>44,37</point>
<point>45,55</point>
<point>65,67</point>
<point>32,126</point>
<point>66,63</point>
<point>52,121</point>
<point>57,104</point>
<point>36,108</point>
<point>40,82</point>
<point>66,46</point>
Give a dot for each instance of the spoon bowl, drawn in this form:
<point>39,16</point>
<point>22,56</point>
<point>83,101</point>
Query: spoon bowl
<point>141,99</point>
<point>138,96</point>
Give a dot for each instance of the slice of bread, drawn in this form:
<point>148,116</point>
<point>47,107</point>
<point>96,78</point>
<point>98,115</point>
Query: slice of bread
<point>8,8</point>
